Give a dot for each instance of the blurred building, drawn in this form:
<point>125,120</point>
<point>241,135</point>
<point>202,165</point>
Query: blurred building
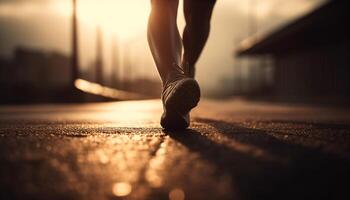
<point>35,68</point>
<point>34,74</point>
<point>309,57</point>
<point>41,69</point>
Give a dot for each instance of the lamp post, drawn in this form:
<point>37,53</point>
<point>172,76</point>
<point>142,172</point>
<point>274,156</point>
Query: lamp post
<point>75,53</point>
<point>115,62</point>
<point>99,56</point>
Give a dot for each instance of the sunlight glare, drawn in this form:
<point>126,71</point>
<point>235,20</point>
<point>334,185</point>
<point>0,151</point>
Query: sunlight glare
<point>126,18</point>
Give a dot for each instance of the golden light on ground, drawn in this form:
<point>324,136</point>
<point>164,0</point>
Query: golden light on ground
<point>154,179</point>
<point>122,189</point>
<point>98,89</point>
<point>126,18</point>
<point>156,165</point>
<point>103,157</point>
<point>177,194</point>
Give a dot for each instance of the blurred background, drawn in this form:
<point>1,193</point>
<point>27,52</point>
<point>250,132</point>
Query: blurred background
<point>271,49</point>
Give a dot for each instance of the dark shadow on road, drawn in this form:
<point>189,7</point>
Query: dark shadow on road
<point>308,173</point>
<point>328,126</point>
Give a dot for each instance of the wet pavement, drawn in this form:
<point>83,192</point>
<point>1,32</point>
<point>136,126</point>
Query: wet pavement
<point>234,150</point>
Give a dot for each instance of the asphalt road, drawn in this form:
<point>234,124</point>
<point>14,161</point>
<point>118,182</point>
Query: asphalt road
<point>234,150</point>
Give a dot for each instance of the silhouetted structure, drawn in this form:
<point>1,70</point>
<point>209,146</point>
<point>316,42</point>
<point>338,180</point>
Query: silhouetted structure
<point>39,69</point>
<point>115,63</point>
<point>311,55</point>
<point>99,56</point>
<point>34,75</point>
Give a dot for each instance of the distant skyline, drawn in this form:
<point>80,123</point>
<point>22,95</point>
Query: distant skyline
<point>45,24</point>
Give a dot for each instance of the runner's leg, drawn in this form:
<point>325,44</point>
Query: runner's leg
<point>163,36</point>
<point>197,15</point>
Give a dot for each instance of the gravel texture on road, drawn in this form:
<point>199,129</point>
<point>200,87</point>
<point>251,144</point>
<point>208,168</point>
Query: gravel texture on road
<point>234,150</point>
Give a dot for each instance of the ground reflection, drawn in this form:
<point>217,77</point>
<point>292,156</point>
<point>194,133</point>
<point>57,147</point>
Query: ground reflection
<point>156,164</point>
<point>121,189</point>
<point>177,194</point>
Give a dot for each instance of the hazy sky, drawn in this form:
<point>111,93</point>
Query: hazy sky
<point>44,24</point>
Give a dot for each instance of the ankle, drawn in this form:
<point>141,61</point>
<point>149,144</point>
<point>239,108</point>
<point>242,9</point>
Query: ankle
<point>188,68</point>
<point>173,74</point>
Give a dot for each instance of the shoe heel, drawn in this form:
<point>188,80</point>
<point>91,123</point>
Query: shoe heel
<point>185,97</point>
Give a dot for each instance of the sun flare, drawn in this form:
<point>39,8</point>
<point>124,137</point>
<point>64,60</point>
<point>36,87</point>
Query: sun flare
<point>126,18</point>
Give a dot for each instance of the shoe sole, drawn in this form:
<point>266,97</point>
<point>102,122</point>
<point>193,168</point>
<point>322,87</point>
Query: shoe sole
<point>173,120</point>
<point>183,98</point>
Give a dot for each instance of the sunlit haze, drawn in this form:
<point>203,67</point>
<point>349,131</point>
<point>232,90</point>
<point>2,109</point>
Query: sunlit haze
<point>45,24</point>
<point>124,18</point>
<point>130,99</point>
